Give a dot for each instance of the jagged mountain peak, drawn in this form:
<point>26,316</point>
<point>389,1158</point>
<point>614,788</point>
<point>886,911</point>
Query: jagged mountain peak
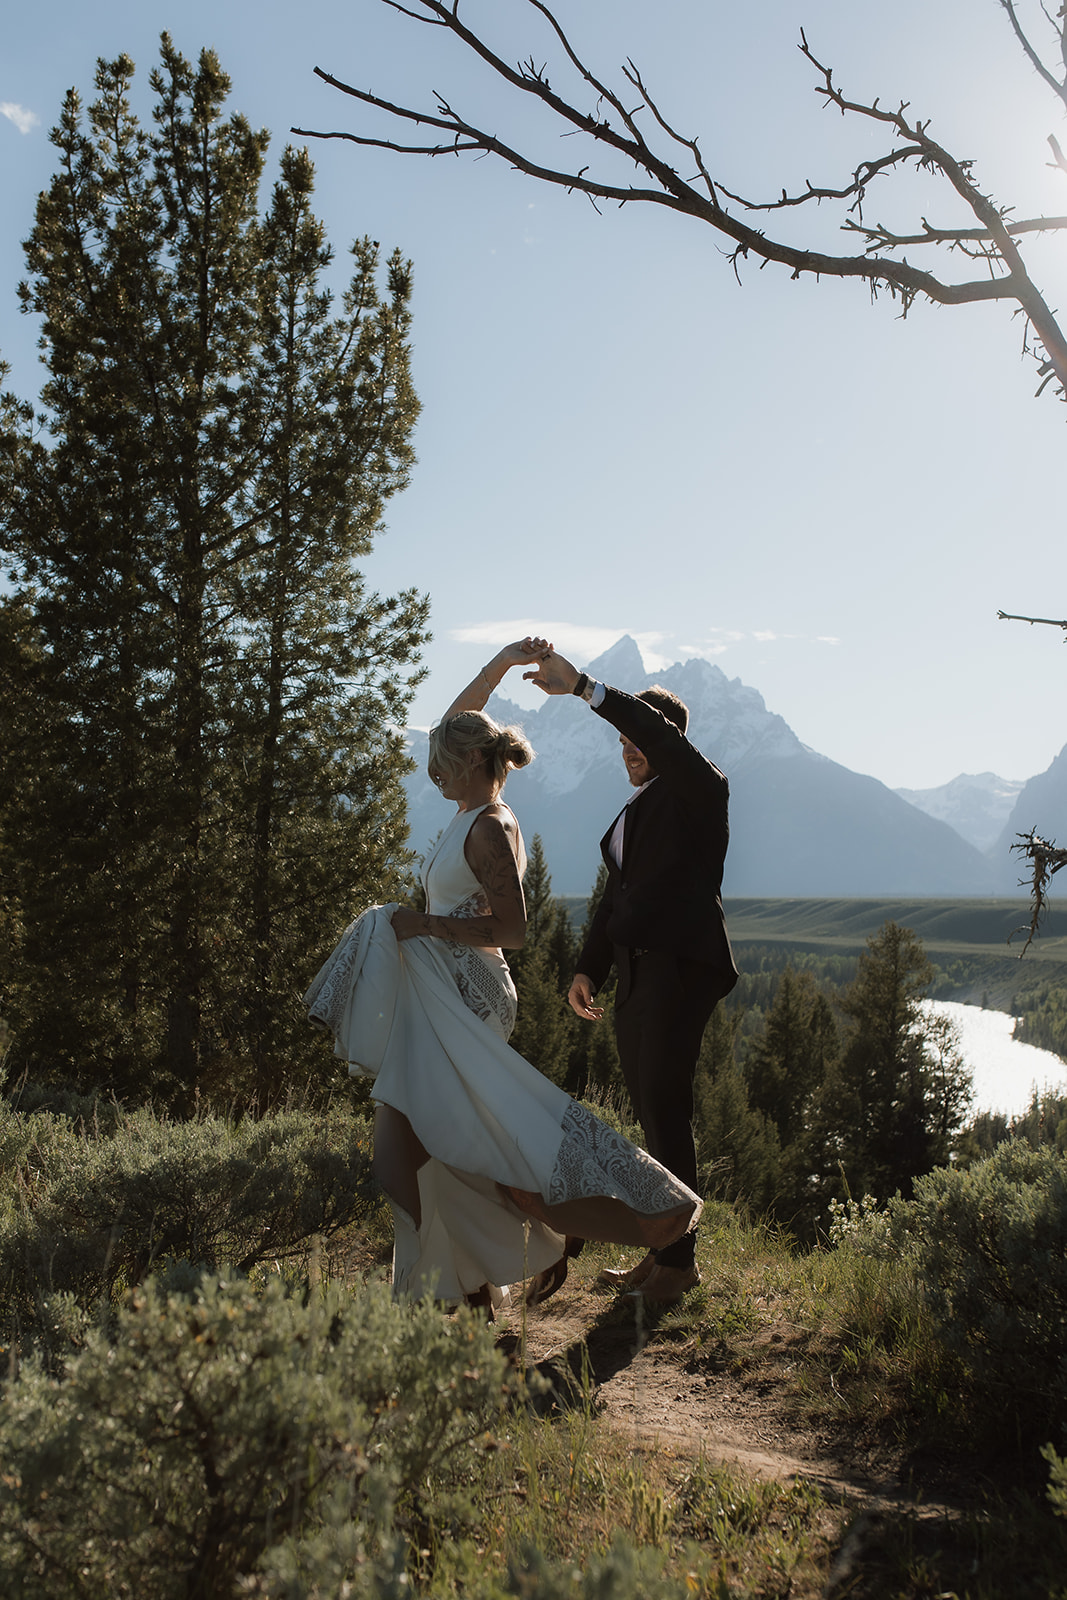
<point>800,823</point>
<point>621,664</point>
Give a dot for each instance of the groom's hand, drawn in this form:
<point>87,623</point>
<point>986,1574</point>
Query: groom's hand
<point>555,675</point>
<point>581,999</point>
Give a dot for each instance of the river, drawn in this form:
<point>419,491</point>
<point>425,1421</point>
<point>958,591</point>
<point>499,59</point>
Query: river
<point>1005,1071</point>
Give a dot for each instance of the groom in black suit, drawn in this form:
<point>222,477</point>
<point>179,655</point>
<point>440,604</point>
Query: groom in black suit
<point>660,923</point>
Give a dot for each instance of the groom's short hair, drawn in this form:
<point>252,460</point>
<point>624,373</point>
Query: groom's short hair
<point>667,704</point>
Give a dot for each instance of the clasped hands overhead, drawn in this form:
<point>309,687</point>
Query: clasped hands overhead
<point>554,673</point>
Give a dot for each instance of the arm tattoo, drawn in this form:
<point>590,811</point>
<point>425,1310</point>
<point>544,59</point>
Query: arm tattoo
<point>492,860</point>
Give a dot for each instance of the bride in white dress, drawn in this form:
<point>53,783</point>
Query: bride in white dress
<point>493,1173</point>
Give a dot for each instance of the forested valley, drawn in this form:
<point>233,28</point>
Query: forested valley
<point>820,1077</point>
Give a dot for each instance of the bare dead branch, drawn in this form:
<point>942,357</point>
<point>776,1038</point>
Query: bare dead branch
<point>1010,616</point>
<point>612,126</point>
<point>884,238</point>
<point>1045,860</point>
<point>1032,55</point>
<point>634,76</point>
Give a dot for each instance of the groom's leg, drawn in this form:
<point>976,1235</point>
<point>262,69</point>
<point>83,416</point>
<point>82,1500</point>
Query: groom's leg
<point>659,1029</point>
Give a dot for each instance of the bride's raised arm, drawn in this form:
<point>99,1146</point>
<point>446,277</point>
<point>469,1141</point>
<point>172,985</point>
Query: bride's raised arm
<point>523,653</point>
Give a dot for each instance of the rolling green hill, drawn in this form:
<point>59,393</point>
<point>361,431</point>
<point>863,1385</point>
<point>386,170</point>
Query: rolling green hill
<point>966,939</point>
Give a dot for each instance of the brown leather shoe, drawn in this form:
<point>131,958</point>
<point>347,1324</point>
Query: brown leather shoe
<point>664,1285</point>
<point>627,1277</point>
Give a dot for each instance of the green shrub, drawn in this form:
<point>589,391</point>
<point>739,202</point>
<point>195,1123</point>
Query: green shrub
<point>33,1149</point>
<point>1057,1481</point>
<point>990,1246</point>
<point>93,1111</point>
<point>86,1217</point>
<point>622,1574</point>
<point>228,1440</point>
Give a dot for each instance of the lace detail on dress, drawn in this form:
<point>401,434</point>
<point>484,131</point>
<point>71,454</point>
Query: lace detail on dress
<point>480,985</point>
<point>475,905</point>
<point>595,1160</point>
<point>327,999</point>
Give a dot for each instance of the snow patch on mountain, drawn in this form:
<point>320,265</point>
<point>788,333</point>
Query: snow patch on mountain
<point>976,805</point>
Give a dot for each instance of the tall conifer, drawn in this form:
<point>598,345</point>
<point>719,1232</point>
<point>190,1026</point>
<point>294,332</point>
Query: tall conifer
<point>878,1115</point>
<point>216,785</point>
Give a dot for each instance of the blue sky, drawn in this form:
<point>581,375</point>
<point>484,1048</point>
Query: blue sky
<point>617,436</point>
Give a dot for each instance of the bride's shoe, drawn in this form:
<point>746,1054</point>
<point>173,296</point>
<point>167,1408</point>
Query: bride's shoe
<point>481,1300</point>
<point>544,1284</point>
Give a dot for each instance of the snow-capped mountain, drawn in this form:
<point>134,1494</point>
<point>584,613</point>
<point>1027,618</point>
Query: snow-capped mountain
<point>801,825</point>
<point>977,805</point>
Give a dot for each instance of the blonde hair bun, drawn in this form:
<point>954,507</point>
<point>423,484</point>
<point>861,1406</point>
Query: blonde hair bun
<point>461,736</point>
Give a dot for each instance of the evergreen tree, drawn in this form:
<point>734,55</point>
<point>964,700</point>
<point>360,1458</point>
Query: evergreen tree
<point>788,1061</point>
<point>786,1064</point>
<point>879,1121</point>
<point>546,1026</point>
<point>595,1069</point>
<point>18,660</point>
<point>542,913</point>
<point>949,1082</point>
<point>215,784</point>
<point>737,1142</point>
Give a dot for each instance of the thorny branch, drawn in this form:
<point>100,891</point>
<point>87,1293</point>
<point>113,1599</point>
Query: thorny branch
<point>613,127</point>
<point>1045,860</point>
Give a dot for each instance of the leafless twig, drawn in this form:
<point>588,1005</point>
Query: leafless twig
<point>1010,616</point>
<point>1045,860</point>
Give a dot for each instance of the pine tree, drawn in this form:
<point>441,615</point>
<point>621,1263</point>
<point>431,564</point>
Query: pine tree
<point>541,910</point>
<point>18,661</point>
<point>878,1115</point>
<point>786,1063</point>
<point>737,1143</point>
<point>545,1027</point>
<point>595,1068</point>
<point>215,784</point>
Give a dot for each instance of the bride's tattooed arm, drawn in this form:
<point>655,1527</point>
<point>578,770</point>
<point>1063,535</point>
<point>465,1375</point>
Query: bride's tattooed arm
<point>500,921</point>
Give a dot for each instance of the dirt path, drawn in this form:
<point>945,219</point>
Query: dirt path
<point>657,1386</point>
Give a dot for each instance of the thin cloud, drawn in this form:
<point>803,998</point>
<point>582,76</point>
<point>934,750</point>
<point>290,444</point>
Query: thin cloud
<point>707,652</point>
<point>24,120</point>
<point>585,641</point>
<point>579,639</point>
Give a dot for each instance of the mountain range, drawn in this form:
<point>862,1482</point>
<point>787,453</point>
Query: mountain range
<point>801,825</point>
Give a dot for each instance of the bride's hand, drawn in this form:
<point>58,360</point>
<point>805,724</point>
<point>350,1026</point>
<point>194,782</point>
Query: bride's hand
<point>525,652</point>
<point>407,924</point>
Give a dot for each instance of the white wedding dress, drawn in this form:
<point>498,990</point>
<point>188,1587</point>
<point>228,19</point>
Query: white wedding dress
<point>515,1162</point>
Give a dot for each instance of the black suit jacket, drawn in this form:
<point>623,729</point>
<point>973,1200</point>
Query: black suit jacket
<point>667,895</point>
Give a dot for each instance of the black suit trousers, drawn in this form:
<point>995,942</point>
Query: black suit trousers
<point>659,1025</point>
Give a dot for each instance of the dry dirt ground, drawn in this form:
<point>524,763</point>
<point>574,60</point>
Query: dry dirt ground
<point>659,1387</point>
<point>654,1384</point>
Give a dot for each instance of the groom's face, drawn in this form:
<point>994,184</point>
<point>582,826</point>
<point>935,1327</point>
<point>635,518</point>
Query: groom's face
<point>637,767</point>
